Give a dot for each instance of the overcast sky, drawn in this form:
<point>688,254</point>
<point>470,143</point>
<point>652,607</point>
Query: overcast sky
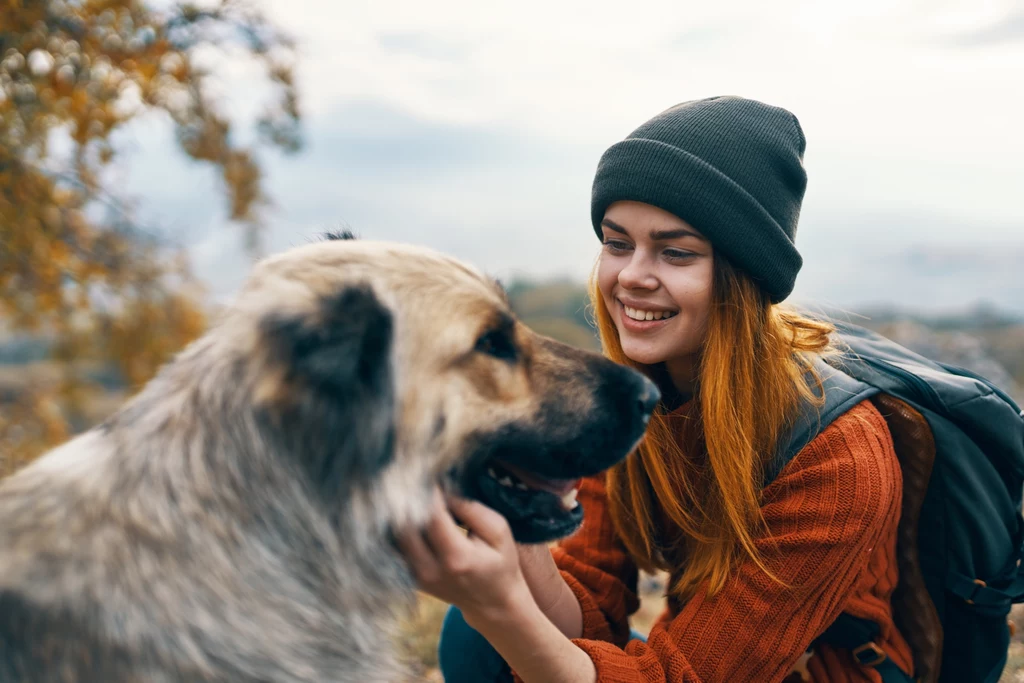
<point>475,127</point>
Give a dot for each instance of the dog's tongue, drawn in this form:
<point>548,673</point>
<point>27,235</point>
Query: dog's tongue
<point>559,487</point>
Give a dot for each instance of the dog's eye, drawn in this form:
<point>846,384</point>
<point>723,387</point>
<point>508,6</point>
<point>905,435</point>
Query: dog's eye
<point>497,343</point>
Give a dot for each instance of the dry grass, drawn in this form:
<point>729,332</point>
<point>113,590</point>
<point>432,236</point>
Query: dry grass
<point>419,638</point>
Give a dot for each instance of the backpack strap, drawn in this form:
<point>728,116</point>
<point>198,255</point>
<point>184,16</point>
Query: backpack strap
<point>984,597</point>
<point>858,636</point>
<point>842,393</point>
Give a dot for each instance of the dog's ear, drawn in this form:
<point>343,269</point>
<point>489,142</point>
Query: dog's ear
<point>333,396</point>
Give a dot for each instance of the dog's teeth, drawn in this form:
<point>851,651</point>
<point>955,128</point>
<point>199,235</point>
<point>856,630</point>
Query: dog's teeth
<point>569,501</point>
<point>492,473</point>
<point>505,481</point>
<point>521,485</point>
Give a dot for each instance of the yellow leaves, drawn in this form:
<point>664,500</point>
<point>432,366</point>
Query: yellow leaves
<point>63,197</point>
<point>29,426</point>
<point>242,177</point>
<point>145,335</point>
<point>75,267</point>
<point>147,71</point>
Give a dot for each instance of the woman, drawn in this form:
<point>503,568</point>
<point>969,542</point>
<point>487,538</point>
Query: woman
<point>697,212</point>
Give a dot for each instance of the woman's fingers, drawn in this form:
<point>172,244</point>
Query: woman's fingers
<point>480,571</point>
<point>424,564</point>
<point>441,551</point>
<point>444,536</point>
<point>481,521</point>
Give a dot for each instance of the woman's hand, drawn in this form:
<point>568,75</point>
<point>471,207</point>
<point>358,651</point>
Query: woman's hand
<point>478,572</point>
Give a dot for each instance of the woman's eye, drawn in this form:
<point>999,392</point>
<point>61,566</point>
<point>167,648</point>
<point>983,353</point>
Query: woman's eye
<point>678,254</point>
<point>616,246</point>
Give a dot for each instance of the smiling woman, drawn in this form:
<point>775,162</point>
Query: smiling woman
<point>697,212</point>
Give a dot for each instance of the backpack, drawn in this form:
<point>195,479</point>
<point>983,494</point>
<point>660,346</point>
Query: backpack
<point>960,443</point>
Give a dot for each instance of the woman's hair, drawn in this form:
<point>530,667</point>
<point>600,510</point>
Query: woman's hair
<point>689,496</point>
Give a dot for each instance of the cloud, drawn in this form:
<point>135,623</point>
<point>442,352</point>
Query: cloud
<point>912,259</point>
<point>475,128</point>
<point>423,45</point>
<point>709,35</point>
<point>505,200</point>
<point>1006,30</point>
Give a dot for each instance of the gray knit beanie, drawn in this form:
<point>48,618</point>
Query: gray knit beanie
<point>728,166</point>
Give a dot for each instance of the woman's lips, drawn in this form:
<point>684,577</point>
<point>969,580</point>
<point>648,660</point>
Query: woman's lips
<point>635,325</point>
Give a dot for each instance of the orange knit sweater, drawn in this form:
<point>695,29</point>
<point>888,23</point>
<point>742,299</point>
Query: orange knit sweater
<point>831,514</point>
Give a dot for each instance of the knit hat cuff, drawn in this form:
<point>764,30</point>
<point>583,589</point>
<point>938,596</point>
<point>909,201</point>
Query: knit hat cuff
<point>676,181</point>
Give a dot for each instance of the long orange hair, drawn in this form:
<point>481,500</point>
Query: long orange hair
<point>689,496</point>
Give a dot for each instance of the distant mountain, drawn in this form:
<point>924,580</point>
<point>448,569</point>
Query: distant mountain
<point>933,279</point>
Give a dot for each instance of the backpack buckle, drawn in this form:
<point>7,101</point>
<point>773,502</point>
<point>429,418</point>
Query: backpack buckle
<point>979,583</point>
<point>869,654</point>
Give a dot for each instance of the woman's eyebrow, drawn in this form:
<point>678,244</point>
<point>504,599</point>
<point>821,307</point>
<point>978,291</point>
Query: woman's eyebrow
<point>656,235</point>
<point>612,225</point>
<point>662,235</point>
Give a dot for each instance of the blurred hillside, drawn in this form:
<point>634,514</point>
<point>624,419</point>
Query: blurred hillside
<point>557,309</point>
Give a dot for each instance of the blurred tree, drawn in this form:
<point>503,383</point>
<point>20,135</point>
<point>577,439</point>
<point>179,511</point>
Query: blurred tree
<point>76,267</point>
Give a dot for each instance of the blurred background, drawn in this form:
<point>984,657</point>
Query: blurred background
<point>149,151</point>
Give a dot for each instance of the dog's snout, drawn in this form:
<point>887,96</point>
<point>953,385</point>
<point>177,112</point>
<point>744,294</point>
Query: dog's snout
<point>649,397</point>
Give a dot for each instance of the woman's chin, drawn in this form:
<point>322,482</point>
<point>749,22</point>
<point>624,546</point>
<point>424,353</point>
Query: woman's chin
<point>646,354</point>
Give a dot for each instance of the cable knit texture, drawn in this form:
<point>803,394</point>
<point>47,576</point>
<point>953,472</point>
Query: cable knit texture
<point>831,537</point>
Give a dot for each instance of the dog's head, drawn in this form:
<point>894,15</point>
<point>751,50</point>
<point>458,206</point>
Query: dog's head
<point>385,368</point>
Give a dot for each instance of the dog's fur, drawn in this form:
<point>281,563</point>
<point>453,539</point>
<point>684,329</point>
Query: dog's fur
<point>233,521</point>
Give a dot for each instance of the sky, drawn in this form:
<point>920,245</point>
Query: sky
<point>475,128</point>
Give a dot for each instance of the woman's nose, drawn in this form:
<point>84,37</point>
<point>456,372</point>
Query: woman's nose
<point>638,274</point>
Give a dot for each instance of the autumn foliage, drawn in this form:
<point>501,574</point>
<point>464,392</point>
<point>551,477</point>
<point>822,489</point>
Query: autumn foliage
<point>77,270</point>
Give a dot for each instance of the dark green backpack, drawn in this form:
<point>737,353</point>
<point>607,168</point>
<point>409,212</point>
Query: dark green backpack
<point>960,442</point>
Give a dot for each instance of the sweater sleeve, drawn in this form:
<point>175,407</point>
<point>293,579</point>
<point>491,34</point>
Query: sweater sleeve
<point>825,512</point>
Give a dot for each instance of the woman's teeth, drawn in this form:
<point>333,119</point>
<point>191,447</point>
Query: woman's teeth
<point>638,314</point>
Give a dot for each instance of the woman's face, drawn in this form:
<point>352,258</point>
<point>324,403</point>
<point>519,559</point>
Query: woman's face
<point>655,275</point>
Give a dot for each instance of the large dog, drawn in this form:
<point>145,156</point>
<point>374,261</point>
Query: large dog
<point>233,521</point>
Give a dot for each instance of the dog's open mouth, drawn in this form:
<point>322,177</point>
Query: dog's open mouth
<point>510,476</point>
<point>537,508</point>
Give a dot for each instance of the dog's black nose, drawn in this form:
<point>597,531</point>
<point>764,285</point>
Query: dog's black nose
<point>649,397</point>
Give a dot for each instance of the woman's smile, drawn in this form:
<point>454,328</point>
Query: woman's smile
<point>642,318</point>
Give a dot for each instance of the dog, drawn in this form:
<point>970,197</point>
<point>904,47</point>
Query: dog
<point>234,520</point>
